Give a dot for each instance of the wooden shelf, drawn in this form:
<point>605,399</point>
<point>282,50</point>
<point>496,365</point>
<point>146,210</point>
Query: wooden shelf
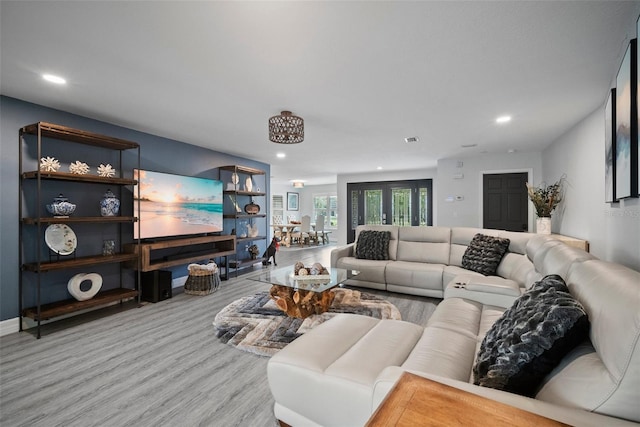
<point>244,193</point>
<point>249,239</point>
<point>154,256</point>
<point>244,262</point>
<point>48,311</point>
<point>67,261</point>
<point>572,241</point>
<point>244,216</point>
<point>76,219</point>
<point>51,130</point>
<point>66,176</point>
<point>243,169</point>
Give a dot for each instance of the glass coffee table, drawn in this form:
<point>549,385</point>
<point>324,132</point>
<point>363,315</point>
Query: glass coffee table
<point>302,296</point>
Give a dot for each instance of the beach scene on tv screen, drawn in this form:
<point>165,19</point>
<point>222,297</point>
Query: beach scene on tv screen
<point>174,205</point>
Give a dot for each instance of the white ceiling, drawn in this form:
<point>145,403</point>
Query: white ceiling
<point>363,75</point>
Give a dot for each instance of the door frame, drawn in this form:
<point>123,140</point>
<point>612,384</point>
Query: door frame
<point>386,187</point>
<point>528,171</point>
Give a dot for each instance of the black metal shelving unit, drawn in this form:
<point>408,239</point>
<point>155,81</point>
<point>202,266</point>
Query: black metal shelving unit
<point>36,261</point>
<point>236,196</point>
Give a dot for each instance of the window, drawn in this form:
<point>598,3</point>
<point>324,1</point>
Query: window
<point>327,205</point>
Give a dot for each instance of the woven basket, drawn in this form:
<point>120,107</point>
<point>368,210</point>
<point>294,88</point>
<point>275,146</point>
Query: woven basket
<point>201,281</point>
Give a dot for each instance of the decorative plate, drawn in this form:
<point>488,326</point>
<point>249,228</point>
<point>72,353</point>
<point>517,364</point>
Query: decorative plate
<point>61,239</point>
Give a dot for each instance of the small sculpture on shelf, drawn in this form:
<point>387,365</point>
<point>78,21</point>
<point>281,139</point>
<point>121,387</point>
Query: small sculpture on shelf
<point>79,168</point>
<point>49,164</point>
<point>252,208</point>
<point>248,184</point>
<point>109,205</point>
<point>254,251</point>
<point>106,171</point>
<point>235,204</point>
<point>252,231</point>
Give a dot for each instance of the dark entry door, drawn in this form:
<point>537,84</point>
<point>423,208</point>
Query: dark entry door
<point>505,201</point>
<point>389,202</point>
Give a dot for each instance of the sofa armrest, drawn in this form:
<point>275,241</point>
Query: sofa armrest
<point>492,290</point>
<point>341,252</point>
<point>572,416</point>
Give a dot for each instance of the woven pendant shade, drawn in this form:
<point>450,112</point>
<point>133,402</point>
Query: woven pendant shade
<point>286,128</point>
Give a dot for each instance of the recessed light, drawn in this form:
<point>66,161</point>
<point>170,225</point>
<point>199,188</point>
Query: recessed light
<point>412,139</point>
<point>379,168</point>
<point>511,150</point>
<point>281,155</point>
<point>503,119</point>
<point>54,79</point>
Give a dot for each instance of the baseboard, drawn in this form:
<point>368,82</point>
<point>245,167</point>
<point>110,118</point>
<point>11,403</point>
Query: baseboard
<point>178,282</point>
<point>9,326</point>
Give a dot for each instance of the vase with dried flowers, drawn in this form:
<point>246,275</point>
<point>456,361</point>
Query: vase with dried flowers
<point>545,199</point>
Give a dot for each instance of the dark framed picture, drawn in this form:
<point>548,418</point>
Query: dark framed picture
<point>292,201</point>
<point>626,144</point>
<point>610,149</point>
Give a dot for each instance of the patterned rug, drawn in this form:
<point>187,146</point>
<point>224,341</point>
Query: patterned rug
<point>256,325</point>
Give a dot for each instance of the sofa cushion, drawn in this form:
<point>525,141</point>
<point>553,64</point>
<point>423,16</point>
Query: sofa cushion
<point>373,245</point>
<point>531,338</point>
<point>371,273</point>
<point>484,254</point>
<point>424,244</point>
<point>393,241</point>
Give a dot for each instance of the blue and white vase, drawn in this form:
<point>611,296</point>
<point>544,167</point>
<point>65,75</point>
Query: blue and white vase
<point>109,205</point>
<point>61,207</point>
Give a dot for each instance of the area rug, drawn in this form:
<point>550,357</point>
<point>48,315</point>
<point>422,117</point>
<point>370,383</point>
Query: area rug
<point>255,324</point>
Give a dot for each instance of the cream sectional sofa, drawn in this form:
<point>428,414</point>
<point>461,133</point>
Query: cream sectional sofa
<point>424,260</point>
<point>338,373</point>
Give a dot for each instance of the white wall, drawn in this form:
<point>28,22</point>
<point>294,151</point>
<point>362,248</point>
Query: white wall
<point>344,179</point>
<point>613,230</point>
<point>468,212</point>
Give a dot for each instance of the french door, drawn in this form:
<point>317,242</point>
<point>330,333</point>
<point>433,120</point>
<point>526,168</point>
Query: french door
<point>389,202</point>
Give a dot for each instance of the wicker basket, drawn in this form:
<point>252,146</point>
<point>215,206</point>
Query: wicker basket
<point>202,280</point>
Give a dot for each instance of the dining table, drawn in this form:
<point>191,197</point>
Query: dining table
<point>285,231</point>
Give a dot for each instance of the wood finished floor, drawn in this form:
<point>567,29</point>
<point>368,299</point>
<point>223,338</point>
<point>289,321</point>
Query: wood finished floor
<point>157,365</point>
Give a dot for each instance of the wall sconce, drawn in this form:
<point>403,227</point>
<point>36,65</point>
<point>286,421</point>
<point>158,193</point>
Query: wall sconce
<point>298,184</point>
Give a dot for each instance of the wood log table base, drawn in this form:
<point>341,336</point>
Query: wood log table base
<point>300,303</point>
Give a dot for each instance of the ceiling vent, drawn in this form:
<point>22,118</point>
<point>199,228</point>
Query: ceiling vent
<point>411,139</point>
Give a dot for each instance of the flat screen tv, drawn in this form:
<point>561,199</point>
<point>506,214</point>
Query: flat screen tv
<point>177,205</point>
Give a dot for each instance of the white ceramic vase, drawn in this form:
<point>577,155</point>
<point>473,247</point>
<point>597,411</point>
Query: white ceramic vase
<point>248,184</point>
<point>543,225</point>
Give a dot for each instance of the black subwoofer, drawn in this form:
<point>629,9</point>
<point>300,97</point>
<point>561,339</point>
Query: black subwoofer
<point>156,285</point>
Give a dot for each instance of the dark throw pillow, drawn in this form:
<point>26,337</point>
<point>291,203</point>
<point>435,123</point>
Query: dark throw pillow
<point>531,338</point>
<point>373,245</point>
<point>484,254</point>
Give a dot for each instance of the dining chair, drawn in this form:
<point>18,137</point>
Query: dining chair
<point>318,233</point>
<point>302,234</point>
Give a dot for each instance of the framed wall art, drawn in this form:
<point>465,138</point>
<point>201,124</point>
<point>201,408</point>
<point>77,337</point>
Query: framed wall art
<point>626,144</point>
<point>292,201</point>
<point>610,149</point>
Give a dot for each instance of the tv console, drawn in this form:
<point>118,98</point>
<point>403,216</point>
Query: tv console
<point>156,255</point>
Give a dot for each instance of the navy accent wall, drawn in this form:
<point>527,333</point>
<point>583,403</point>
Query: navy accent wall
<point>157,153</point>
